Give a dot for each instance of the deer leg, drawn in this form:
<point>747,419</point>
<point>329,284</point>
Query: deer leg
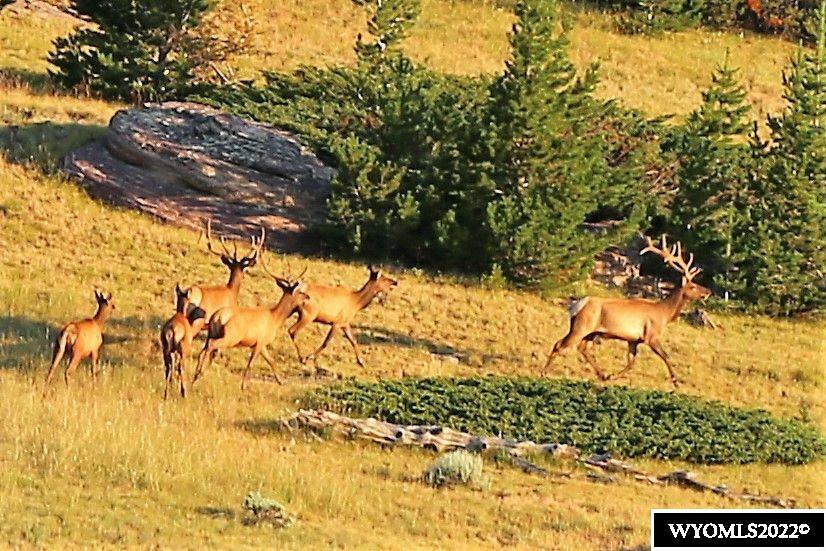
<point>204,358</point>
<point>181,368</point>
<point>632,357</point>
<point>582,347</point>
<point>57,357</point>
<point>167,370</point>
<point>70,369</point>
<point>94,368</point>
<point>348,333</point>
<point>269,360</point>
<point>324,344</point>
<point>303,321</point>
<point>255,352</point>
<point>659,351</point>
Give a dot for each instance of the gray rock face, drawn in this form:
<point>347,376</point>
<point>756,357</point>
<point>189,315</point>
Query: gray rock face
<point>184,163</point>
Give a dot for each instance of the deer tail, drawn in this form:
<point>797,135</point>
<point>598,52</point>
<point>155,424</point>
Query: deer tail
<point>216,329</point>
<point>575,305</point>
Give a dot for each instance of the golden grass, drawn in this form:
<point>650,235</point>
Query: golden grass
<point>659,75</point>
<point>114,466</point>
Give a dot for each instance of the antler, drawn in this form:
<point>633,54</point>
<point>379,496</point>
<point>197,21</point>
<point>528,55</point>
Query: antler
<point>257,243</point>
<point>222,240</point>
<point>673,256</point>
<point>288,278</point>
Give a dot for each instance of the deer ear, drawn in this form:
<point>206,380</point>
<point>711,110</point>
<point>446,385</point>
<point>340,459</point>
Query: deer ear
<point>178,290</point>
<point>283,283</point>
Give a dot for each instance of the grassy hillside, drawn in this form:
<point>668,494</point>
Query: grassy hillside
<point>112,465</point>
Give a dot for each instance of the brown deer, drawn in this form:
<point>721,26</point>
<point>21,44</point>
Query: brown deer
<point>176,341</point>
<point>206,300</point>
<point>254,328</point>
<point>336,307</point>
<point>633,320</point>
<point>82,339</point>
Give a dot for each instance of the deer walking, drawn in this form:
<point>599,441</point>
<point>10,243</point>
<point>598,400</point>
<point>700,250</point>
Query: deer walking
<point>82,339</point>
<point>336,307</point>
<point>634,320</point>
<point>254,328</point>
<point>176,341</point>
<point>206,300</point>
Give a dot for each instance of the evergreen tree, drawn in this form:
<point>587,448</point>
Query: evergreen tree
<point>136,50</point>
<point>781,235</point>
<point>549,157</point>
<point>712,159</point>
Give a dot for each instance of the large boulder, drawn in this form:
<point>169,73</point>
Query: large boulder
<point>185,162</point>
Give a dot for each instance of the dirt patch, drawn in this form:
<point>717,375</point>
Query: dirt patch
<point>185,162</point>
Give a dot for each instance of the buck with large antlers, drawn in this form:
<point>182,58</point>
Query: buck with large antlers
<point>633,320</point>
<point>176,341</point>
<point>82,339</point>
<point>336,307</point>
<point>252,328</point>
<point>209,299</point>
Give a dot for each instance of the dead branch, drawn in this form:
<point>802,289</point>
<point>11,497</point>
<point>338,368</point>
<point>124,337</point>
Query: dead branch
<point>441,439</point>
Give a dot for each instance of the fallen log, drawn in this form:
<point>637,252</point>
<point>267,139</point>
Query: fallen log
<point>442,439</point>
<point>432,437</point>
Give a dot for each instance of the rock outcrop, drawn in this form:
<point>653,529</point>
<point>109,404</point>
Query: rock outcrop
<point>185,162</point>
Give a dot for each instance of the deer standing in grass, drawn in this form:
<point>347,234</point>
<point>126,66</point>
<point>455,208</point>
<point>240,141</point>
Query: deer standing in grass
<point>634,320</point>
<point>82,339</point>
<point>176,341</point>
<point>336,307</point>
<point>206,300</point>
<point>253,328</point>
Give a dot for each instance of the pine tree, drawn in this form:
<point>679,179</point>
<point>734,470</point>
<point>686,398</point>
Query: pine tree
<point>780,237</point>
<point>135,51</point>
<point>549,162</point>
<point>712,160</point>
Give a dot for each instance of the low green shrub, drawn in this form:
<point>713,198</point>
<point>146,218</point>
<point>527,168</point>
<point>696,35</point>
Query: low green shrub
<point>264,509</point>
<point>456,467</point>
<point>618,420</point>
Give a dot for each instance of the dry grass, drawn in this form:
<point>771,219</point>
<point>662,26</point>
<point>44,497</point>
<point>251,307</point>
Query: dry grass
<point>660,75</point>
<point>114,466</point>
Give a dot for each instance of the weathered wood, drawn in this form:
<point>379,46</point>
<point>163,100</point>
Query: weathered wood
<point>431,437</point>
<point>445,439</point>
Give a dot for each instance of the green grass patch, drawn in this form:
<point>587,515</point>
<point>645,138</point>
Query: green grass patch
<point>623,421</point>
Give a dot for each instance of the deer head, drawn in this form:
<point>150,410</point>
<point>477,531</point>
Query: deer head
<point>673,256</point>
<point>230,259</point>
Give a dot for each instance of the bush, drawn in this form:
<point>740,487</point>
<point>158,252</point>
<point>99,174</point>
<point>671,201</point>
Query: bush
<point>264,509</point>
<point>795,19</point>
<point>150,50</point>
<point>617,420</point>
<point>456,467</point>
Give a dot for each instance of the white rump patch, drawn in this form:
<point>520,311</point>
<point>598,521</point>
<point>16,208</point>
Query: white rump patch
<point>576,306</point>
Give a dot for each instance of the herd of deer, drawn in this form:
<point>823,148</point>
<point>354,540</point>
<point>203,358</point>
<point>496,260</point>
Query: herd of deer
<point>215,309</point>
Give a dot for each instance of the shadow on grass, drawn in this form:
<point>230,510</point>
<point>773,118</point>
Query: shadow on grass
<point>216,512</point>
<point>25,341</point>
<point>262,427</point>
<point>372,335</point>
<point>44,144</point>
<point>36,82</point>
